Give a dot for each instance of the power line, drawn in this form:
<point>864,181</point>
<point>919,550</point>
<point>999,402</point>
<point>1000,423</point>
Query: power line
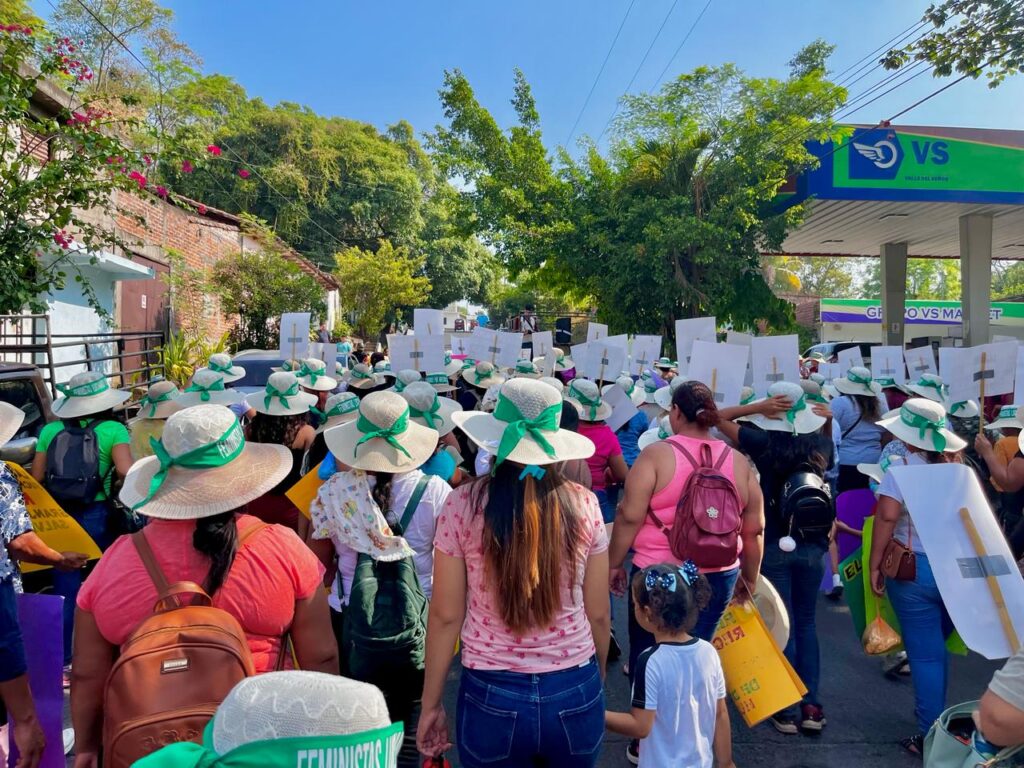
<point>600,72</point>
<point>680,46</point>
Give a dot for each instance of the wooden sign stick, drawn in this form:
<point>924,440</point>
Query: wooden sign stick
<point>295,330</point>
<point>981,409</point>
<point>993,583</point>
<point>416,353</point>
<point>714,382</point>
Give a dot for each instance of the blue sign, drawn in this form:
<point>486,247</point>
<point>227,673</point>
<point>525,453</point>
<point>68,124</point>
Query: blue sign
<point>875,154</point>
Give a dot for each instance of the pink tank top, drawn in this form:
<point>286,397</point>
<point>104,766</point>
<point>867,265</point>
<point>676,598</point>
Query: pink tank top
<point>651,545</point>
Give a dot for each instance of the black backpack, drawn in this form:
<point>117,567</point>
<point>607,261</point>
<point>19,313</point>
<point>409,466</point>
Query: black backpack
<point>806,507</point>
<point>73,464</point>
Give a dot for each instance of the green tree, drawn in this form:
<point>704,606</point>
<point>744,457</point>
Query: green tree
<point>258,288</point>
<point>812,275</point>
<point>926,279</point>
<point>375,283</point>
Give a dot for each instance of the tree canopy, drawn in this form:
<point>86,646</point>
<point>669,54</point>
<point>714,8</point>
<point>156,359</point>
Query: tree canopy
<point>376,284</point>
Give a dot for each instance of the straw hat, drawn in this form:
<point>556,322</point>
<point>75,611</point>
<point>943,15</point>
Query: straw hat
<point>965,409</point>
<point>747,396</point>
<point>562,363</point>
<point>817,378</point>
<point>313,375</point>
<point>283,396</point>
<point>877,471</point>
<point>663,397</point>
<point>11,419</point>
<point>440,382</point>
<point>87,393</point>
<point>528,412</point>
<point>291,366</point>
<point>585,395</point>
<point>812,391</point>
<point>664,364</point>
<point>430,410</point>
<point>556,383</point>
<point>482,375</point>
<point>490,398</point>
<point>160,401</point>
<point>525,368</point>
<point>383,368</point>
<point>452,367</point>
<point>340,409</point>
<point>769,604</point>
<point>221,363</point>
<point>662,430</point>
<point>922,423</point>
<point>650,387</point>
<point>800,420</point>
<point>857,381</point>
<point>930,386</point>
<point>636,393</point>
<point>207,388</point>
<point>206,467</point>
<point>1007,419</point>
<point>383,438</point>
<point>405,377</point>
<point>362,377</point>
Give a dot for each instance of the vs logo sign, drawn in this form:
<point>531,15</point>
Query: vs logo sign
<point>877,153</point>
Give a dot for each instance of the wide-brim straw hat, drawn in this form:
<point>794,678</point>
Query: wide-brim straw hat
<point>313,375</point>
<point>440,381</point>
<point>1008,418</point>
<point>222,364</point>
<point>85,394</point>
<point>877,471</point>
<point>813,391</point>
<point>452,367</point>
<point>524,369</point>
<point>423,399</point>
<point>773,611</point>
<point>531,398</point>
<point>11,419</point>
<point>382,411</point>
<point>191,494</point>
<point>930,386</point>
<point>928,412</point>
<point>160,401</point>
<point>340,409</point>
<point>405,377</point>
<point>483,375</point>
<point>857,381</point>
<point>585,395</point>
<point>663,396</point>
<point>966,409</point>
<point>207,388</point>
<point>664,364</point>
<point>362,377</point>
<point>291,366</point>
<point>662,430</point>
<point>805,421</point>
<point>562,363</point>
<point>283,396</point>
<point>552,381</point>
<point>630,387</point>
<point>383,368</point>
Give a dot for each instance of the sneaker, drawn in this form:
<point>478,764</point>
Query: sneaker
<point>633,752</point>
<point>67,677</point>
<point>785,723</point>
<point>812,717</point>
<point>614,650</point>
<point>836,594</point>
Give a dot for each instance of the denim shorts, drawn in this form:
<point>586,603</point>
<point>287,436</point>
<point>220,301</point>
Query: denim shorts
<point>515,718</point>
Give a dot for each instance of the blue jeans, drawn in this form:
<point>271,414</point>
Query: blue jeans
<point>519,719</point>
<point>607,505</point>
<point>797,575</point>
<point>924,624</point>
<point>12,651</point>
<point>722,585</point>
<point>93,518</point>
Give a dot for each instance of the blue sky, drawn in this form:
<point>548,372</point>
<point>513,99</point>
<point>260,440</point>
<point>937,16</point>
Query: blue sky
<point>384,61</point>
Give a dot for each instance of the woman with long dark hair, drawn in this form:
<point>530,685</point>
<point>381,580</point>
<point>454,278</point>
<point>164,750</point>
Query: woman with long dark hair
<point>521,575</point>
<point>855,413</point>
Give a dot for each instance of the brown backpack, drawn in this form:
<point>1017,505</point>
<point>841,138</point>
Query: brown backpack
<point>174,669</point>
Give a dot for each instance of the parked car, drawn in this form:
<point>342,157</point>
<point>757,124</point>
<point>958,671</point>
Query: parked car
<point>829,351</point>
<point>22,386</point>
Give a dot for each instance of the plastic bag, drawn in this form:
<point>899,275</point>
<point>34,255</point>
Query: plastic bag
<point>879,637</point>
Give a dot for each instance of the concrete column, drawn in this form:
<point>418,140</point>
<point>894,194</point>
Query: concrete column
<point>976,276</point>
<point>894,292</point>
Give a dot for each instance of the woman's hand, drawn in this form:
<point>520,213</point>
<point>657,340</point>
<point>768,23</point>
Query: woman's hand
<point>29,738</point>
<point>617,581</point>
<point>822,410</point>
<point>432,732</point>
<point>877,582</point>
<point>87,760</point>
<point>774,407</point>
<point>72,561</point>
<point>982,445</point>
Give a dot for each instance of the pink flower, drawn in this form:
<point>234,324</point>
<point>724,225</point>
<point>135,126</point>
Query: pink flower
<point>214,150</point>
<point>161,192</point>
<point>62,238</point>
<point>186,167</point>
<point>147,159</point>
<point>138,178</point>
<point>243,173</point>
<point>201,209</point>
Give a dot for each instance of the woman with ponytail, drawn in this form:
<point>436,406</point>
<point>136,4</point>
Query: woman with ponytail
<point>521,575</point>
<point>195,490</point>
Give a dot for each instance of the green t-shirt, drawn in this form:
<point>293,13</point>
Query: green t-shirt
<point>109,434</point>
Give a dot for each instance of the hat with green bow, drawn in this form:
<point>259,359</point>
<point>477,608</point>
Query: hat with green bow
<point>207,388</point>
<point>221,363</point>
<point>562,363</point>
<point>383,437</point>
<point>634,389</point>
<point>202,465</point>
<point>857,381</point>
<point>930,386</point>
<point>282,396</point>
<point>662,430</point>
<point>405,377</point>
<point>426,407</point>
<point>87,393</point>
<point>313,375</point>
<point>586,396</point>
<point>525,368</point>
<point>800,419</point>
<point>1009,418</point>
<point>340,409</point>
<point>524,427</point>
<point>160,401</point>
<point>921,422</point>
<point>663,396</point>
<point>362,377</point>
<point>482,375</point>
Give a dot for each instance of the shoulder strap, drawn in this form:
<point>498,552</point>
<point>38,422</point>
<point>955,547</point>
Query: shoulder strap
<point>249,532</point>
<point>686,453</point>
<point>722,457</point>
<point>149,560</point>
<point>414,501</point>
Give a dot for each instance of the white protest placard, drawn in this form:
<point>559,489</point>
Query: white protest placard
<point>596,331</point>
<point>418,353</point>
<point>1018,382</point>
<point>887,363</point>
<point>920,360</point>
<point>689,331</point>
<point>644,353</point>
<point>830,371</point>
<point>739,338</point>
<point>622,340</point>
<point>622,407</point>
<point>601,361</point>
<point>461,345</point>
<point>428,322</point>
<point>723,367</point>
<point>965,547</point>
<point>997,337</point>
<point>294,336</point>
<point>774,358</point>
<point>543,344</point>
<point>499,348</point>
<point>849,358</point>
<point>978,372</point>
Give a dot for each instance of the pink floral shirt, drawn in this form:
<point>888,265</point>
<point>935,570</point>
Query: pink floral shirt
<point>487,643</point>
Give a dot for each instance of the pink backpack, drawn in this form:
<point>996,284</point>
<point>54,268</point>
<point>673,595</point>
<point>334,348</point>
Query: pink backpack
<point>707,522</point>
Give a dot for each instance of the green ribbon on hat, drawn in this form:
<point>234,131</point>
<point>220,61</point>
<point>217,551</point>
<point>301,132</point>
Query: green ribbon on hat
<point>748,399</point>
<point>1008,412</point>
<point>438,379</point>
<point>346,405</point>
<point>650,387</point>
<point>430,415</point>
<point>220,369</point>
<point>815,398</point>
<point>662,434</point>
<point>632,387</point>
<point>221,451</point>
<point>932,384</point>
<point>153,402</point>
<point>864,381</point>
<point>399,386</point>
<point>286,365</point>
<point>957,406</point>
<point>217,385</point>
<point>518,426</point>
<point>924,425</point>
<point>477,378</point>
<point>355,373</point>
<point>447,358</point>
<point>272,392</point>
<point>799,405</point>
<point>388,434</point>
<point>87,389</point>
<point>525,366</point>
<point>886,382</point>
<point>305,372</point>
<point>593,405</point>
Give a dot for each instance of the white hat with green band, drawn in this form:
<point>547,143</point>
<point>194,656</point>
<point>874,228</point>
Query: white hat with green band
<point>525,368</point>
<point>221,363</point>
<point>482,375</point>
<point>663,396</point>
<point>1008,418</point>
<point>202,466</point>
<point>362,377</point>
<point>383,437</point>
<point>922,423</point>
<point>340,409</point>
<point>207,388</point>
<point>586,396</point>
<point>440,381</point>
<point>524,427</point>
<point>857,381</point>
<point>931,387</point>
<point>87,393</point>
<point>452,366</point>
<point>631,388</point>
<point>662,430</point>
<point>383,368</point>
<point>283,396</point>
<point>405,377</point>
<point>11,419</point>
<point>556,383</point>
<point>429,409</point>
<point>562,363</point>
<point>313,375</point>
<point>800,419</point>
<point>160,401</point>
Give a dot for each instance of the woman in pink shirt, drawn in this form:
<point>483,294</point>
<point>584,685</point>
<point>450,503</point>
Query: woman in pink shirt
<point>520,570</point>
<point>607,462</point>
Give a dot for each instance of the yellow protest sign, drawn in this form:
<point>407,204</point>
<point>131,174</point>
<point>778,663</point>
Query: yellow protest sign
<point>303,492</point>
<point>51,523</point>
<point>758,678</point>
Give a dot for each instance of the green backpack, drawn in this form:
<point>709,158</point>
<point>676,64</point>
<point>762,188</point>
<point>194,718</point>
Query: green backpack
<point>385,624</point>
